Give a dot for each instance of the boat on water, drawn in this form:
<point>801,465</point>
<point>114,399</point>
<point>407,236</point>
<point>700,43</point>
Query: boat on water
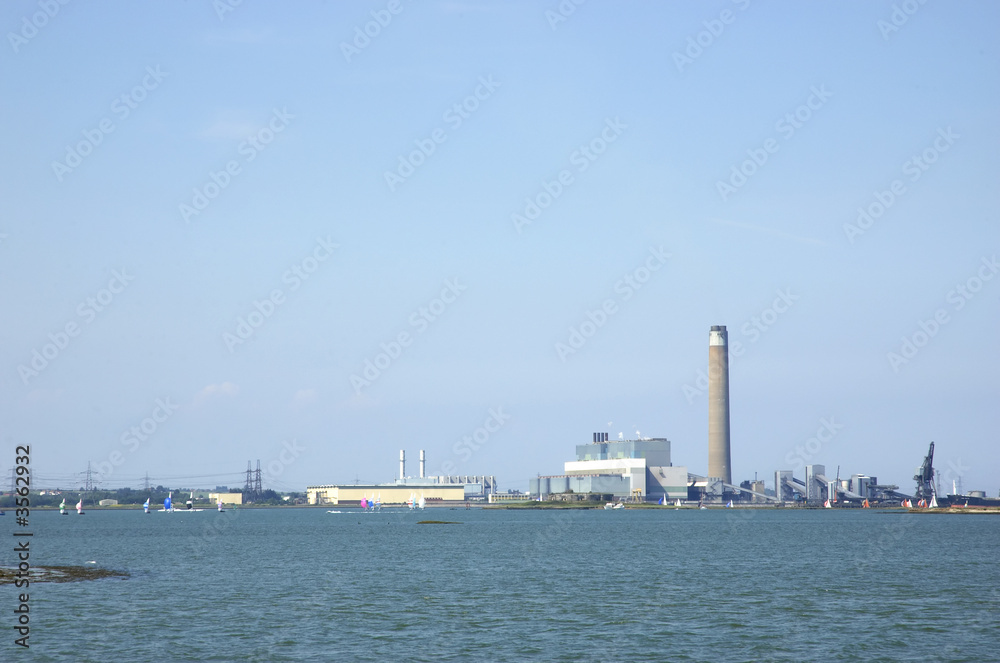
<point>145,506</point>
<point>219,504</point>
<point>677,504</point>
<point>168,505</point>
<point>932,505</point>
<point>422,502</point>
<point>826,505</point>
<point>412,502</point>
<point>730,505</point>
<point>79,507</point>
<point>62,508</point>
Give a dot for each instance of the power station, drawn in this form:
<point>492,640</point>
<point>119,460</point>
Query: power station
<point>435,489</point>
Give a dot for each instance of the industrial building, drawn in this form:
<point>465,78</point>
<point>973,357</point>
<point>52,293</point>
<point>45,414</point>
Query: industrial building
<point>440,488</point>
<point>626,468</point>
<point>388,494</point>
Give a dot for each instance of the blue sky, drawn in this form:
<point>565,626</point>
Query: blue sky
<point>122,116</point>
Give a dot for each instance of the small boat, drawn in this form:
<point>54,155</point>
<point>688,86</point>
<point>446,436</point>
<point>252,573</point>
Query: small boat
<point>865,504</point>
<point>190,502</point>
<point>62,508</point>
<point>79,507</point>
<point>609,506</point>
<point>827,505</point>
<point>933,504</point>
<point>219,504</point>
<point>334,511</point>
<point>168,505</point>
<point>412,502</point>
<point>422,502</point>
<point>145,506</point>
<point>364,503</point>
<point>677,504</point>
<point>730,505</point>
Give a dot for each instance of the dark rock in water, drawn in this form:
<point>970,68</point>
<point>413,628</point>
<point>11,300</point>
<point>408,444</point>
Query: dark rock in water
<point>60,574</point>
<point>437,522</point>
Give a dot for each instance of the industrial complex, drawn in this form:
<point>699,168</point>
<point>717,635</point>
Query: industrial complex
<point>642,470</point>
<point>434,489</point>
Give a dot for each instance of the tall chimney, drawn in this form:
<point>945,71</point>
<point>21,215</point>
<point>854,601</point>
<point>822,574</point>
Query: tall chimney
<point>402,464</point>
<point>422,461</point>
<point>719,463</point>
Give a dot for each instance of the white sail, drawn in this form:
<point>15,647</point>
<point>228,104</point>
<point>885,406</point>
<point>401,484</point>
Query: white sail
<point>933,504</point>
<point>422,502</point>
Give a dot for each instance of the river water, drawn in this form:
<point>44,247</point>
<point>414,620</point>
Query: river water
<point>511,585</point>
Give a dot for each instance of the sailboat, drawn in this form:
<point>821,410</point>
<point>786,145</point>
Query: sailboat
<point>677,504</point>
<point>219,504</point>
<point>730,505</point>
<point>168,504</point>
<point>412,502</point>
<point>422,502</point>
<point>933,504</point>
<point>826,505</point>
<point>378,502</point>
<point>62,508</point>
<point>145,506</point>
<point>865,504</point>
<point>79,507</point>
<point>364,502</point>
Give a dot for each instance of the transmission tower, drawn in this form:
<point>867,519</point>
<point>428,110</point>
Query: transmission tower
<point>89,486</point>
<point>248,485</point>
<point>258,489</point>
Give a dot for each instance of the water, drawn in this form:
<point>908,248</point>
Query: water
<point>663,585</point>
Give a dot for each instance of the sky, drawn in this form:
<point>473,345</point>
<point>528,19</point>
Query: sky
<point>312,234</point>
